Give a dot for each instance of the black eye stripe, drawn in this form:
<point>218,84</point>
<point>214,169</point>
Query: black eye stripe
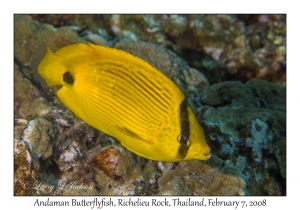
<point>185,131</point>
<point>182,151</point>
<point>184,122</point>
<point>68,78</point>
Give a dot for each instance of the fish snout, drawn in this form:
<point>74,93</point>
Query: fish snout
<point>207,155</point>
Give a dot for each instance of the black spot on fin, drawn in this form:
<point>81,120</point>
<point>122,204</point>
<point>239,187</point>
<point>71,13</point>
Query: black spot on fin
<point>68,78</point>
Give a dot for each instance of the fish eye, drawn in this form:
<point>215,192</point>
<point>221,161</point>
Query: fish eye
<point>68,78</point>
<point>182,139</point>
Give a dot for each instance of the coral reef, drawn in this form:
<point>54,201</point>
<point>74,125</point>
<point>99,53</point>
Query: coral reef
<point>56,153</point>
<point>246,46</point>
<point>28,101</point>
<point>40,135</point>
<point>226,39</point>
<point>199,178</point>
<point>23,171</point>
<point>246,125</point>
<point>28,34</point>
<point>120,172</point>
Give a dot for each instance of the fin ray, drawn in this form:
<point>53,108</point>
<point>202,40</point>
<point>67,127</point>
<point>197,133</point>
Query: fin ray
<point>67,97</point>
<point>133,135</point>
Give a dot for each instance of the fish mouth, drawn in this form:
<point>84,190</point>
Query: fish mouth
<point>207,155</point>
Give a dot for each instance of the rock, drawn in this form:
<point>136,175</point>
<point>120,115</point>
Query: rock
<point>244,123</point>
<point>130,168</point>
<point>165,166</point>
<point>176,187</point>
<point>23,164</point>
<point>96,39</point>
<point>280,152</point>
<point>119,172</point>
<point>40,136</point>
<point>70,153</point>
<point>225,39</point>
<point>151,173</point>
<point>118,162</point>
<point>107,160</point>
<point>29,33</point>
<point>241,46</point>
<point>198,178</point>
<point>27,99</point>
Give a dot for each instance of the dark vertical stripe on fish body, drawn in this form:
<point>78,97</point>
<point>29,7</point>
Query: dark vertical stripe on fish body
<point>185,130</point>
<point>182,151</point>
<point>185,122</point>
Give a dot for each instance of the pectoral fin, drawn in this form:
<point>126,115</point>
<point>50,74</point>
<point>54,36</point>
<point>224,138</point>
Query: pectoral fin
<point>133,135</point>
<point>67,97</point>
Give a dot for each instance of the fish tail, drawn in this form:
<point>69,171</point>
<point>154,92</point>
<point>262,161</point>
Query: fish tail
<point>50,69</point>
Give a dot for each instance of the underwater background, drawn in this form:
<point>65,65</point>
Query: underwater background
<point>232,69</point>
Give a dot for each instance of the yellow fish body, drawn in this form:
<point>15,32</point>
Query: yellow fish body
<point>127,98</point>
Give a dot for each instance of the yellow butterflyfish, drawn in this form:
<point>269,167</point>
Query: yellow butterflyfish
<point>127,98</point>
